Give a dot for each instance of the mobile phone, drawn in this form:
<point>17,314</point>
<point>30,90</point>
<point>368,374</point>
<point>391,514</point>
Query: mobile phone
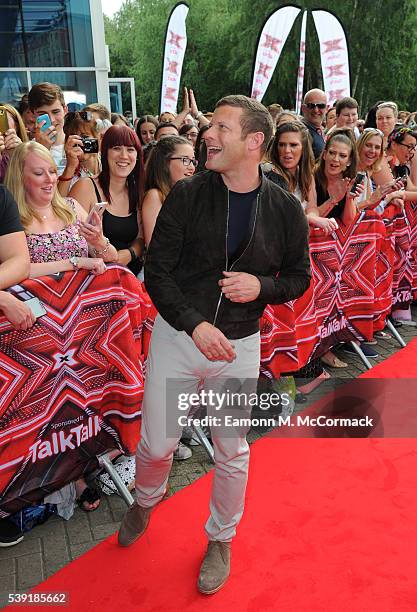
<point>4,122</point>
<point>359,179</point>
<point>99,208</point>
<point>47,123</point>
<point>36,307</point>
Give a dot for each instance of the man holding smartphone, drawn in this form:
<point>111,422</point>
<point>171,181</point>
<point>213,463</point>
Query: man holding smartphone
<point>47,103</point>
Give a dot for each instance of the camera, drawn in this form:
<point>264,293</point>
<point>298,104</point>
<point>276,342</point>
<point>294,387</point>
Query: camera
<point>90,145</point>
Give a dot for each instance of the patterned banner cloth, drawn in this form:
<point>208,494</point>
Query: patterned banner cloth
<point>71,386</point>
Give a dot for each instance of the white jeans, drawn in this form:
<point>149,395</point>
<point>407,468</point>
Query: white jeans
<point>174,356</point>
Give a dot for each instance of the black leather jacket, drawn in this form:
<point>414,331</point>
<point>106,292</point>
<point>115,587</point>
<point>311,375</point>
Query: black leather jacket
<point>188,253</point>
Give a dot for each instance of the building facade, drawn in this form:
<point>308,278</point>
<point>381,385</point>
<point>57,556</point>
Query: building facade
<point>60,41</point>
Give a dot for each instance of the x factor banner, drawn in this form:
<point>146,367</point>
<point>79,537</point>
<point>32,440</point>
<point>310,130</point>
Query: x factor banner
<point>300,79</point>
<point>71,386</point>
<point>175,45</point>
<point>337,307</point>
<point>271,41</point>
<point>334,55</point>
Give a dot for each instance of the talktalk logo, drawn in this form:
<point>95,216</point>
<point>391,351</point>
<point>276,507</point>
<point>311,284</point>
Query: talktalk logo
<point>62,441</point>
<point>332,327</point>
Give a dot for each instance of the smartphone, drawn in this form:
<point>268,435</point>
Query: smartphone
<point>47,123</point>
<point>99,208</point>
<point>359,179</point>
<point>36,307</point>
<point>4,122</point>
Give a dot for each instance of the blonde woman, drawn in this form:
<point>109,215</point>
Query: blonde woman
<point>58,235</point>
<point>370,147</point>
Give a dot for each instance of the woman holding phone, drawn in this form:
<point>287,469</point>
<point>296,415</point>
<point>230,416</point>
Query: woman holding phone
<point>58,235</point>
<point>120,184</point>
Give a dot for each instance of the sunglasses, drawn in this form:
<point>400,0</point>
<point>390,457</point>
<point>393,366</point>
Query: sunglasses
<point>371,129</point>
<point>84,115</point>
<point>313,105</point>
<point>187,161</point>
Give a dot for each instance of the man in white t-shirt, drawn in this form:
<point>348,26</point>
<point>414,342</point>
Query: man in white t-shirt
<point>48,99</point>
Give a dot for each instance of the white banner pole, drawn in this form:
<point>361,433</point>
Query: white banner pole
<point>175,45</point>
<point>271,41</point>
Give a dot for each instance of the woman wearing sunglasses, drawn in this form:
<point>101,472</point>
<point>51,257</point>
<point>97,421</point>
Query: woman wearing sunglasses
<point>172,159</point>
<point>400,151</point>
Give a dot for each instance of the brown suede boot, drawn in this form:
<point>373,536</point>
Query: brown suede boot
<point>215,568</point>
<point>134,524</point>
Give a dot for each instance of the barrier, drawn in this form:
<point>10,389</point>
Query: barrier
<point>71,386</point>
<point>339,305</point>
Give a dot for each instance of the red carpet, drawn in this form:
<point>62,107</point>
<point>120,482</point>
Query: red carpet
<point>330,525</point>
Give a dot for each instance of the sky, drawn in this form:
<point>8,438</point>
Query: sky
<point>111,6</point>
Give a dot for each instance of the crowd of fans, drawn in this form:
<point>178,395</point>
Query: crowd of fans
<point>58,166</point>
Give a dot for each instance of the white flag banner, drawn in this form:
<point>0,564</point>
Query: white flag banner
<point>175,45</point>
<point>273,36</point>
<point>300,79</point>
<point>334,55</point>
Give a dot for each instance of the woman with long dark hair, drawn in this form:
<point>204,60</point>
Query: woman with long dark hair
<point>292,161</point>
<point>120,185</point>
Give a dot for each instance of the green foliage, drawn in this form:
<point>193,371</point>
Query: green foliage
<point>222,38</point>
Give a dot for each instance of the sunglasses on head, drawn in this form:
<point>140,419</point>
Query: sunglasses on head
<point>371,129</point>
<point>84,115</point>
<point>313,105</point>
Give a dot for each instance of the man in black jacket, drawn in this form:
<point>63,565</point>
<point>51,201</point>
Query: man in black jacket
<point>226,243</point>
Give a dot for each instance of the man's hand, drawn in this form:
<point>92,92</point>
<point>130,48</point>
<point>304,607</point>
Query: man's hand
<point>16,312</point>
<point>213,343</point>
<point>240,286</point>
<point>47,138</point>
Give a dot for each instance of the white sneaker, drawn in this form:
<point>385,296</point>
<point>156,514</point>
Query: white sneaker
<point>182,452</point>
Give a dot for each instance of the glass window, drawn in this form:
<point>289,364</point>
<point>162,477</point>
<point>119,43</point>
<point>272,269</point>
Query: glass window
<point>46,33</point>
<point>13,85</point>
<point>77,86</point>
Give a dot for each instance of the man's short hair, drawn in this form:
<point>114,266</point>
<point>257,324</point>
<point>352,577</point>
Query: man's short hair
<point>345,103</point>
<point>44,94</point>
<point>102,110</point>
<point>164,124</point>
<point>255,117</point>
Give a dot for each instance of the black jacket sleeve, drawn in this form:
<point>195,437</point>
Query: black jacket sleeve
<point>162,258</point>
<point>295,273</point>
<point>9,213</point>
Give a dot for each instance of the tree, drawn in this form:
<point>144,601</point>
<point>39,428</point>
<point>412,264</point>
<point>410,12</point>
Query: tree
<point>222,38</point>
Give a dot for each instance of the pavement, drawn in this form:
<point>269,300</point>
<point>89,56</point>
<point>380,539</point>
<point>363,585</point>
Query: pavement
<point>49,547</point>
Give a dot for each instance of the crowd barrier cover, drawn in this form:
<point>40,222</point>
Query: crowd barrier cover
<point>339,305</point>
<point>71,386</point>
